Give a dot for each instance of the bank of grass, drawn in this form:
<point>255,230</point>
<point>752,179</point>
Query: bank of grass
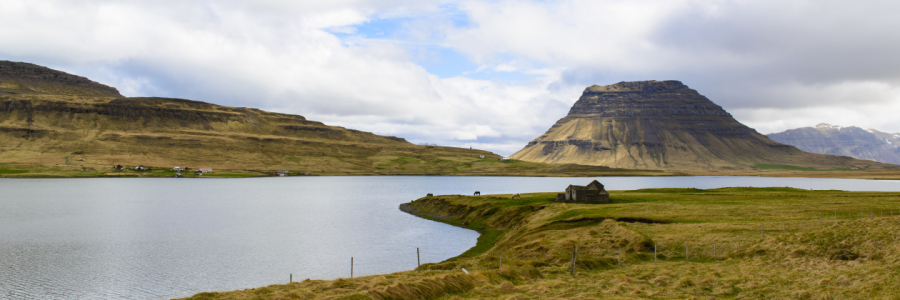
<point>12,171</point>
<point>70,171</point>
<point>833,245</point>
<point>783,167</point>
<point>424,165</point>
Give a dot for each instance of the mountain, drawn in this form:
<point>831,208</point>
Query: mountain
<point>17,78</point>
<point>663,125</point>
<point>850,141</point>
<point>57,124</point>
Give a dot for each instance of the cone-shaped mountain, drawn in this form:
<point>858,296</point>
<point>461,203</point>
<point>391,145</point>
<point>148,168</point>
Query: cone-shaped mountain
<point>660,125</point>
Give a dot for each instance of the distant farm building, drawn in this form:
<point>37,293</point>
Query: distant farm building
<point>205,170</point>
<point>504,158</point>
<point>177,169</point>
<point>282,173</point>
<point>592,193</point>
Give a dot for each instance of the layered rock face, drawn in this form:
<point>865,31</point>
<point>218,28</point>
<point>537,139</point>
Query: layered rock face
<point>47,115</point>
<point>25,78</point>
<point>850,141</point>
<point>657,125</point>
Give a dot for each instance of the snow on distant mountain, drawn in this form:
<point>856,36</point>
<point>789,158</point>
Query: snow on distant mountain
<point>850,141</point>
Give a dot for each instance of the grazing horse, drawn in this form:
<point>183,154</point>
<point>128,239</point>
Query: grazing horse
<point>516,196</point>
<point>477,193</point>
<point>430,195</point>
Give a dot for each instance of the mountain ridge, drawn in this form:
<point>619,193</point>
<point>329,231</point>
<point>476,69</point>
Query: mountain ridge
<point>661,125</point>
<point>28,78</point>
<point>852,141</point>
<point>60,124</point>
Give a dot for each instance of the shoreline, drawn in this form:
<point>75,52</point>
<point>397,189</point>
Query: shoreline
<point>227,173</point>
<point>525,247</point>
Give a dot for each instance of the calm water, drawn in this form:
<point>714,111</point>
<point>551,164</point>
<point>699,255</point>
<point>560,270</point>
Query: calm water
<point>164,238</point>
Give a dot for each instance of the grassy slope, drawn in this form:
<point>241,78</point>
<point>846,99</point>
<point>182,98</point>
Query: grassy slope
<point>844,258</point>
<point>39,132</point>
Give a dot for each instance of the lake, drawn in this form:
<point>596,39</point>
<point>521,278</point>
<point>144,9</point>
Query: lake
<point>158,238</point>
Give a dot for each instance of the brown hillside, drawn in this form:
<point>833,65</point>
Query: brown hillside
<point>665,125</point>
<point>59,123</point>
<point>25,78</point>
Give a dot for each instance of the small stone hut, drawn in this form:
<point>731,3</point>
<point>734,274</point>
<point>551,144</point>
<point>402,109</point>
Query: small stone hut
<point>592,193</point>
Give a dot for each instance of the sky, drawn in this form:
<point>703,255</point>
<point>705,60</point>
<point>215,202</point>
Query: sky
<point>491,75</point>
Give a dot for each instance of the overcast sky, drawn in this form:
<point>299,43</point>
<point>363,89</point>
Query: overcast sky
<point>488,74</point>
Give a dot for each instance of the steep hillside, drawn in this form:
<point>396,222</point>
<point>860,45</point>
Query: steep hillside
<point>25,78</point>
<point>51,120</point>
<point>663,125</point>
<point>850,141</point>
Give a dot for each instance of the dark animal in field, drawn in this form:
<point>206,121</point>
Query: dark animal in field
<point>477,193</point>
<point>516,196</point>
<point>429,195</point>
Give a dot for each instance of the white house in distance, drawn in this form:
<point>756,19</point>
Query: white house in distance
<point>177,169</point>
<point>205,170</point>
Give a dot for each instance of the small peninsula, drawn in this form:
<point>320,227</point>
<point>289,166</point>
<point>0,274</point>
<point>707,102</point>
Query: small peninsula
<point>661,243</point>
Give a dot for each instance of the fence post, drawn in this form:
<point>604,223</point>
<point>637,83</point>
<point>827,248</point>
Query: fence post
<point>291,278</point>
<point>782,226</point>
<point>351,267</point>
<point>501,261</point>
<point>574,252</point>
<point>418,259</point>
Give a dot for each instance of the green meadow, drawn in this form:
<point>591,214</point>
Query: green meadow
<point>652,243</point>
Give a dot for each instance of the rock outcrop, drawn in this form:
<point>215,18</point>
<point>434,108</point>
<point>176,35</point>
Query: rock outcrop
<point>47,116</point>
<point>659,125</point>
<point>26,78</point>
<point>850,141</point>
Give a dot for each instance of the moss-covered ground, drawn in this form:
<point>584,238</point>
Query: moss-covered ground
<point>742,243</point>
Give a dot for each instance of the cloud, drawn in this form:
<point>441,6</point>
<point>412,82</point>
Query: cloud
<point>490,74</point>
<point>821,55</point>
<point>280,56</point>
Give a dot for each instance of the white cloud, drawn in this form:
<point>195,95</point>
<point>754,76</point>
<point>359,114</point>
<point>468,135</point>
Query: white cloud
<point>772,120</point>
<point>773,64</point>
<point>824,58</point>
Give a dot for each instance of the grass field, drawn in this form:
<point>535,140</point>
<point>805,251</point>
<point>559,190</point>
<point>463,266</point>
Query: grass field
<point>721,243</point>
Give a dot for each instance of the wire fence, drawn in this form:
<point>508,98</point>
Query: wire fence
<point>719,249</point>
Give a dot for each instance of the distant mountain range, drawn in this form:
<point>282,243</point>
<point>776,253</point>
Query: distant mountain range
<point>665,125</point>
<point>849,141</point>
<point>52,120</point>
<point>48,118</point>
<point>57,124</point>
